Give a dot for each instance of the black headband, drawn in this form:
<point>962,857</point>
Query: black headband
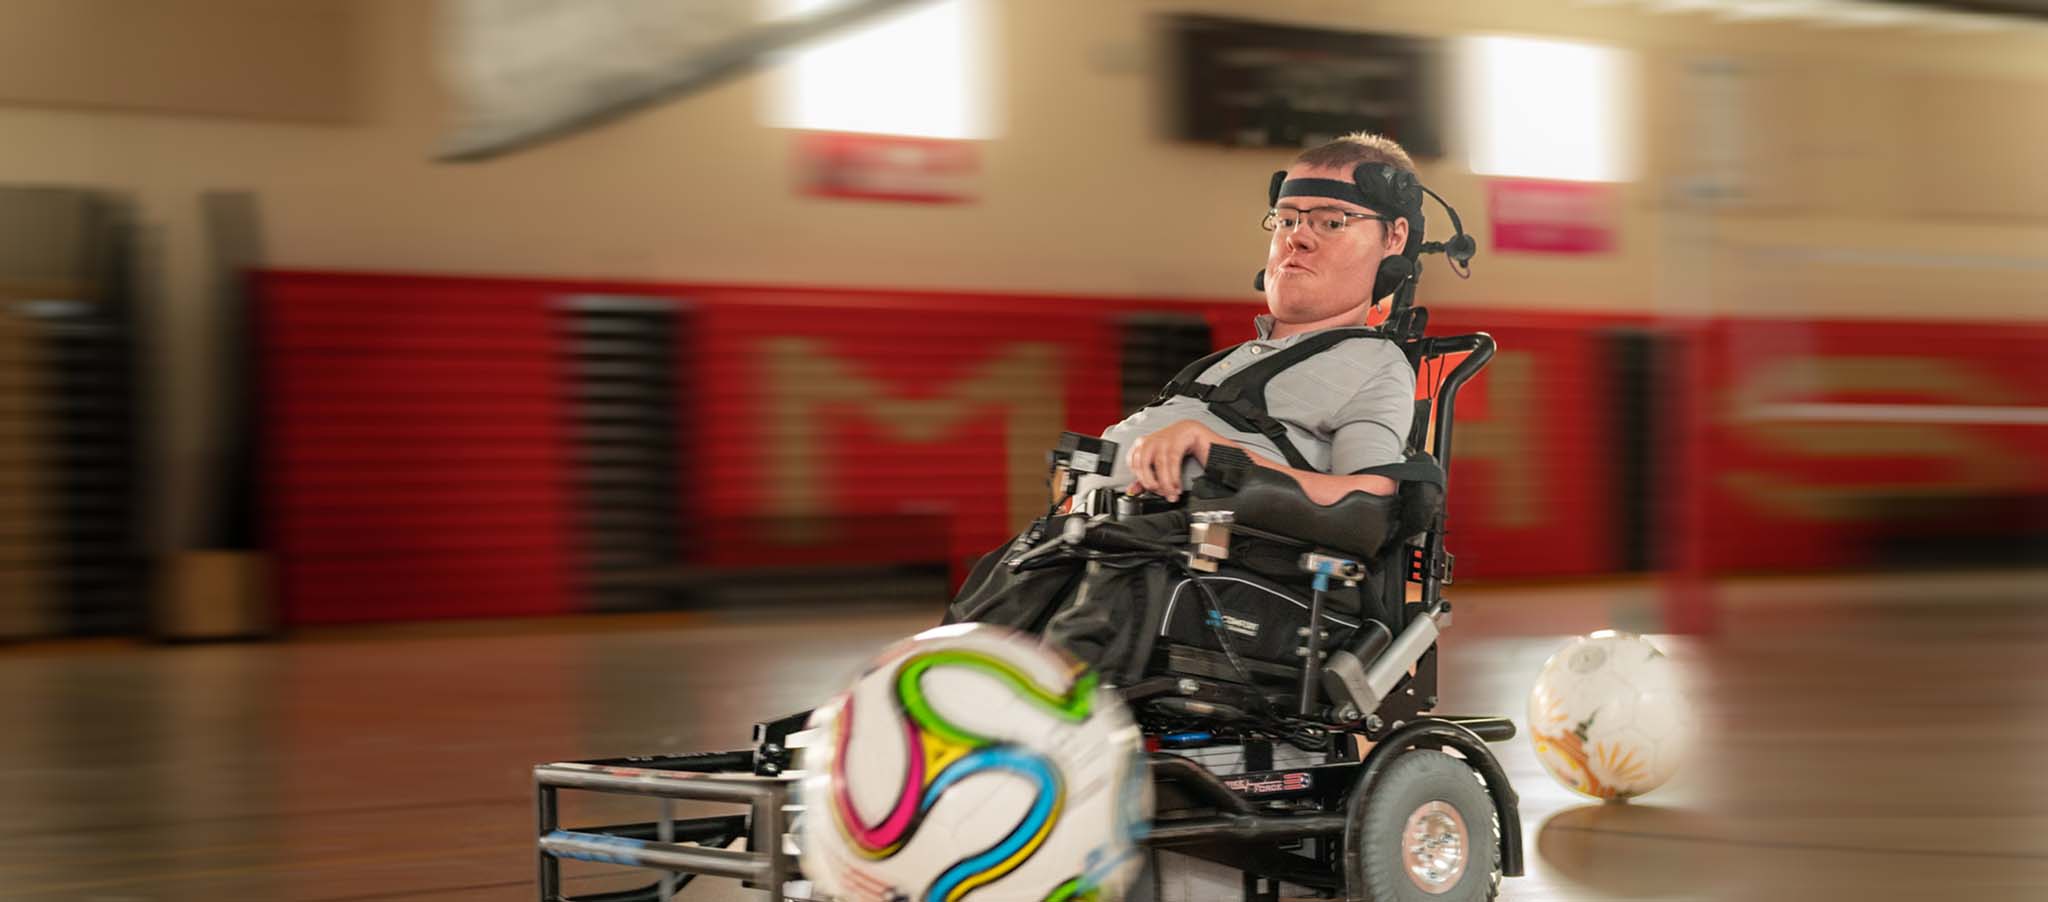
<point>1330,188</point>
<point>1379,187</point>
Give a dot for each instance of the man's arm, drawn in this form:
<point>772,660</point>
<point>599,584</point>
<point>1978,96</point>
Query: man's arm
<point>1321,488</point>
<point>1369,428</point>
<point>1156,463</point>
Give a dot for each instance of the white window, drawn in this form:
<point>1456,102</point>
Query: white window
<point>1545,109</point>
<point>922,71</point>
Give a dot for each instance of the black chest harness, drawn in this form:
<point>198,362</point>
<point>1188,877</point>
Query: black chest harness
<point>1240,398</point>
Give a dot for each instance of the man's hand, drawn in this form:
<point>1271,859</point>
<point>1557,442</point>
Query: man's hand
<point>1156,458</point>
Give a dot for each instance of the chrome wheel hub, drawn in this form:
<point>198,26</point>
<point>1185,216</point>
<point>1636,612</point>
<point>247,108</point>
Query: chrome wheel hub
<point>1433,847</point>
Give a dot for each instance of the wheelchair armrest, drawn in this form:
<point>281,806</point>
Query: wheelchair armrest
<point>1271,501</point>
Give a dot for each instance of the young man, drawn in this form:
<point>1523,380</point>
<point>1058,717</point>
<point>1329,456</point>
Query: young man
<point>1333,414</point>
<point>1346,409</point>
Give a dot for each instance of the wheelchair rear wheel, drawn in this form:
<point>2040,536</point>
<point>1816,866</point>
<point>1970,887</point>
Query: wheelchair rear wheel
<point>1429,834</point>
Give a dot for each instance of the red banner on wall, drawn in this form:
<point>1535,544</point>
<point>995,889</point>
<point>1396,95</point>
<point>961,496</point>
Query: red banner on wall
<point>1552,217</point>
<point>887,167</point>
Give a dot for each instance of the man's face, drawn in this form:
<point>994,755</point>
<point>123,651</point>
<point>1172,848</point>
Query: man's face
<point>1313,276</point>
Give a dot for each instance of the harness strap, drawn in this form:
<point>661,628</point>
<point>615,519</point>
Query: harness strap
<point>1239,400</point>
<point>1418,467</point>
<point>1183,382</point>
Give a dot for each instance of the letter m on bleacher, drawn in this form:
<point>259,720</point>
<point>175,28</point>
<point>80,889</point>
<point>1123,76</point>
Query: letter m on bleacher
<point>808,386</point>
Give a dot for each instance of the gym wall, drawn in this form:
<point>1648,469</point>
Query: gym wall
<point>1884,175</point>
<point>420,460</point>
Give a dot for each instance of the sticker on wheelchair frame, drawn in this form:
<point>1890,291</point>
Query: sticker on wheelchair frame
<point>1271,783</point>
<point>1246,628</point>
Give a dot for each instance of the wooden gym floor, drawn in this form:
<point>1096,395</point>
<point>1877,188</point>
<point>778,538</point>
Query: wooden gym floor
<point>1865,738</point>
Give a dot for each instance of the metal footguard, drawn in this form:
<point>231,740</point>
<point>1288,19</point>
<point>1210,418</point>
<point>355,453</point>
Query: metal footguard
<point>682,849</point>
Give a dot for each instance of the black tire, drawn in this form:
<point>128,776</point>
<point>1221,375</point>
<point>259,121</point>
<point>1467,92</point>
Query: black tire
<point>1438,794</point>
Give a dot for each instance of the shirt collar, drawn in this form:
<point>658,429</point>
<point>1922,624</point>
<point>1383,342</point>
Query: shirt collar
<point>1264,323</point>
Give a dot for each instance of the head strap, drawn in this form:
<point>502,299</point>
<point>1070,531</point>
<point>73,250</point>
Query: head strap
<point>1330,188</point>
<point>1379,187</point>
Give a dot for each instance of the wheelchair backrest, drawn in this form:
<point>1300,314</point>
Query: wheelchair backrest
<point>1426,562</point>
<point>1435,413</point>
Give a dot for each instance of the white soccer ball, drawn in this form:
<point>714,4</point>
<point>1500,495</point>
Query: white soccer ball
<point>970,761</point>
<point>1608,716</point>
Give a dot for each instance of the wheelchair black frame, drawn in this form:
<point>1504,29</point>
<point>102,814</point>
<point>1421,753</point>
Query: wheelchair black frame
<point>1428,563</point>
<point>1232,827</point>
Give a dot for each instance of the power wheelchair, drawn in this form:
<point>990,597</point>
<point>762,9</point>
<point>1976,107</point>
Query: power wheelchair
<point>1331,773</point>
<point>1379,798</point>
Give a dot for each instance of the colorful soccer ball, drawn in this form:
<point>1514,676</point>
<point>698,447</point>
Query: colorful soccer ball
<point>1608,716</point>
<point>971,762</point>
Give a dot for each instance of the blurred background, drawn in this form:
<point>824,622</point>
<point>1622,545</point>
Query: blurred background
<point>409,331</point>
<point>341,310</point>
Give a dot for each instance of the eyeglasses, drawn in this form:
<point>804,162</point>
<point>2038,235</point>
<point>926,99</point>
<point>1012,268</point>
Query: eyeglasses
<point>1326,221</point>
